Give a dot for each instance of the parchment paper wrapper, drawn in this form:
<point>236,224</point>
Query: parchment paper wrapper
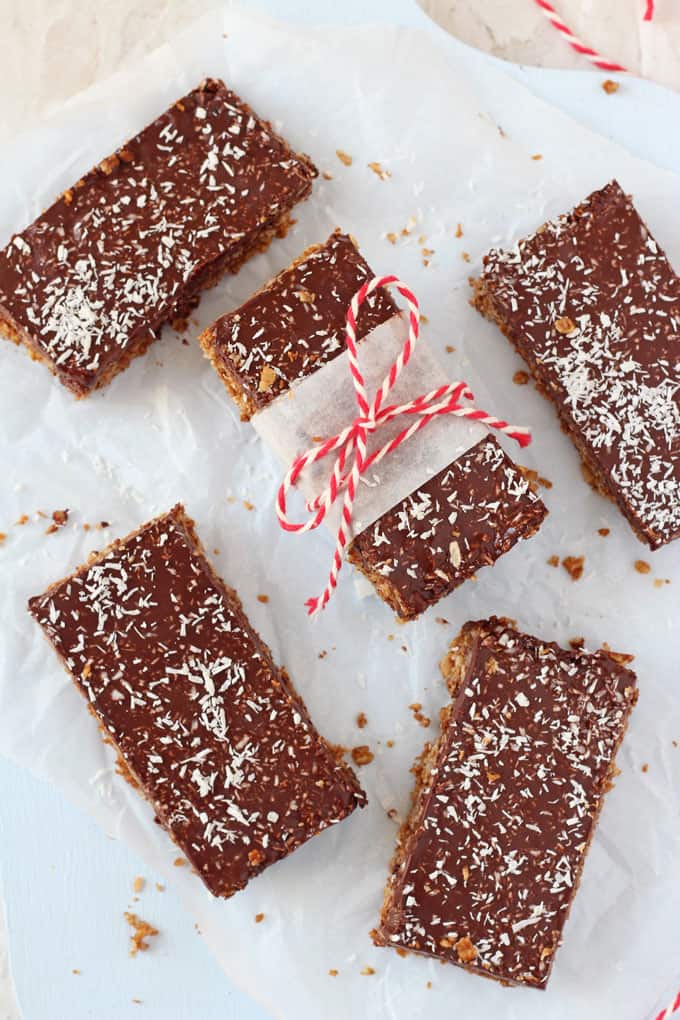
<point>324,403</point>
<point>165,430</point>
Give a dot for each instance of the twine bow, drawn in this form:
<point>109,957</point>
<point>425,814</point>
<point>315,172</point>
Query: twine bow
<point>350,445</point>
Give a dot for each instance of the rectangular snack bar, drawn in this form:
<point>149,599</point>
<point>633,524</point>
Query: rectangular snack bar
<point>593,306</point>
<point>205,724</point>
<point>88,286</point>
<point>463,518</point>
<point>506,803</point>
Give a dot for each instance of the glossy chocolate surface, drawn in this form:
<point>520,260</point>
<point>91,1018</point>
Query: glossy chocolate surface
<point>206,723</point>
<point>502,824</point>
<point>296,323</point>
<point>593,305</point>
<point>128,247</point>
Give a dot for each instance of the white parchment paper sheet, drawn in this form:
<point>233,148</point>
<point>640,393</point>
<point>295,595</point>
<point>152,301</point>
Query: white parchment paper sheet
<point>324,403</point>
<point>166,430</point>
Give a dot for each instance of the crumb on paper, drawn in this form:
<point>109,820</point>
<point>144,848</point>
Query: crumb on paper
<point>576,643</point>
<point>459,230</point>
<point>333,972</point>
<point>520,378</point>
<point>423,318</point>
<point>267,379</point>
<point>537,155</point>
<point>660,582</point>
<point>323,653</point>
<point>367,971</point>
<point>642,567</point>
<point>76,971</point>
<point>180,862</point>
<point>645,767</point>
<point>623,658</point>
<point>428,984</point>
<point>259,918</point>
<point>553,561</point>
<point>22,520</point>
<point>3,537</point>
<point>449,349</point>
<point>327,175</point>
<point>263,598</point>
<point>361,720</point>
<point>574,566</point>
<point>603,531</point>
<point>410,224</point>
<point>465,255</point>
<point>59,519</point>
<point>141,931</point>
<point>391,237</point>
<point>416,709</point>
<point>610,87</point>
<point>441,619</point>
<point>343,157</point>
<point>379,171</point>
<point>138,884</point>
<point>160,887</point>
<point>248,505</point>
<point>362,755</point>
<point>535,480</point>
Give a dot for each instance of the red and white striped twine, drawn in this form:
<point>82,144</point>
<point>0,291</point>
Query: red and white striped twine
<point>593,56</point>
<point>350,443</point>
<point>673,1007</point>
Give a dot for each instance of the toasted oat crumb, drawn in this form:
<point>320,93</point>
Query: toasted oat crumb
<point>343,157</point>
<point>327,175</point>
<point>441,619</point>
<point>520,378</point>
<point>553,561</point>
<point>179,862</point>
<point>306,296</point>
<point>576,643</point>
<point>659,582</point>
<point>263,598</point>
<point>367,971</point>
<point>23,519</point>
<point>421,719</point>
<point>564,325</point>
<point>609,86</point>
<point>248,505</point>
<point>459,230</point>
<point>465,255</point>
<point>623,658</point>
<point>362,755</point>
<point>259,918</point>
<point>603,531</point>
<point>392,237</point>
<point>449,349</point>
<point>333,972</point>
<point>389,743</point>
<point>574,566</point>
<point>141,930</point>
<point>409,226</point>
<point>379,171</point>
<point>138,884</point>
<point>3,536</point>
<point>428,984</point>
<point>466,950</point>
<point>423,318</point>
<point>642,567</point>
<point>76,971</point>
<point>493,777</point>
<point>361,720</point>
<point>537,155</point>
<point>645,767</point>
<point>160,887</point>
<point>267,379</point>
<point>466,873</point>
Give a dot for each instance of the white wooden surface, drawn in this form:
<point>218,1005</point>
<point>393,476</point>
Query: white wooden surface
<point>66,885</point>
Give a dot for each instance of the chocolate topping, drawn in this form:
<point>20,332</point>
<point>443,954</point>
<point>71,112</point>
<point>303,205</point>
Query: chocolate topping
<point>593,305</point>
<point>130,245</point>
<point>208,726</point>
<point>295,324</point>
<point>464,518</point>
<point>489,862</point>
